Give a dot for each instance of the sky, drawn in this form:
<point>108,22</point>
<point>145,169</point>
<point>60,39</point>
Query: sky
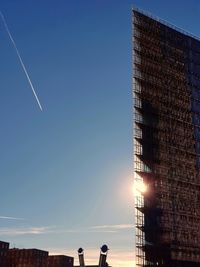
<point>66,172</point>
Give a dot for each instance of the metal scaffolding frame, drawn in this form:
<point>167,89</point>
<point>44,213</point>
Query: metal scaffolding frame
<point>166,92</point>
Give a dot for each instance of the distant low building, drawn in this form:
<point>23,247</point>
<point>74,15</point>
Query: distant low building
<point>16,257</point>
<point>4,247</point>
<point>33,257</point>
<point>27,257</point>
<point>60,261</point>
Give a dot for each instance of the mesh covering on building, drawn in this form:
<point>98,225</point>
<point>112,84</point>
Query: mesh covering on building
<point>166,90</point>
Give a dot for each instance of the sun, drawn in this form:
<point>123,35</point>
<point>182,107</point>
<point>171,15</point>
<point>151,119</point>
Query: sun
<point>140,187</point>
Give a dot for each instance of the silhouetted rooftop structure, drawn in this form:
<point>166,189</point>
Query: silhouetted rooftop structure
<point>16,257</point>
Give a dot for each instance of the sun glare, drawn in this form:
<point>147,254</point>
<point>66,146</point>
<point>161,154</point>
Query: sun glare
<point>140,187</point>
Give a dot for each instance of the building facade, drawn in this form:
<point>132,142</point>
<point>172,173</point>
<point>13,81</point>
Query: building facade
<point>4,247</point>
<point>60,261</point>
<point>31,258</point>
<point>166,91</point>
<point>27,258</point>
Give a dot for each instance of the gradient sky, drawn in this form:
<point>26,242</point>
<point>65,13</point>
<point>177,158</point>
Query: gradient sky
<point>66,172</point>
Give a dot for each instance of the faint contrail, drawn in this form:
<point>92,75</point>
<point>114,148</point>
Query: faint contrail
<point>10,218</point>
<point>20,59</point>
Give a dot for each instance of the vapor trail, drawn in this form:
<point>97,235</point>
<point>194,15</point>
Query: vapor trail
<point>20,59</point>
<point>10,218</point>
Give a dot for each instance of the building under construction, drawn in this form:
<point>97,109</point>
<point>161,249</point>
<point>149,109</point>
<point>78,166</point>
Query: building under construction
<point>166,91</point>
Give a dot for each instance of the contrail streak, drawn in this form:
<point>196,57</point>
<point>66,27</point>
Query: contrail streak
<point>10,218</point>
<point>20,59</point>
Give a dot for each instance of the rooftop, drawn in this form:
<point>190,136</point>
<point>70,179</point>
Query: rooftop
<point>164,22</point>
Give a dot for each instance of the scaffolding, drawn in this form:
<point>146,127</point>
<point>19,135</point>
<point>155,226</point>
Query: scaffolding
<point>166,91</point>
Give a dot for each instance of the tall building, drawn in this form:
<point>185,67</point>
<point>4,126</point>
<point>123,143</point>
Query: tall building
<point>166,90</point>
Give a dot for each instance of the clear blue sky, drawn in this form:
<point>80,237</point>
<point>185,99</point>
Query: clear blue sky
<point>67,171</point>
